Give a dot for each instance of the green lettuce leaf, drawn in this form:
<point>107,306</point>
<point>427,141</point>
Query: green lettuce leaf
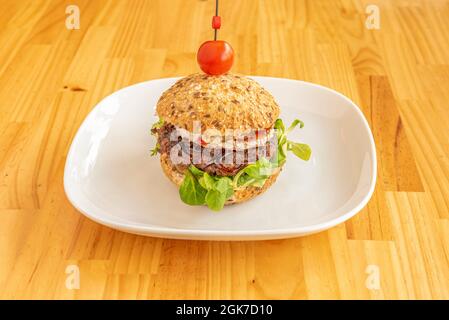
<point>301,150</point>
<point>206,181</point>
<point>254,174</point>
<point>294,125</point>
<point>215,200</point>
<point>198,188</point>
<point>191,192</point>
<point>196,172</point>
<point>221,191</point>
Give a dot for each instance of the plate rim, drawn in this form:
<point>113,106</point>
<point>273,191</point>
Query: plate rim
<point>210,234</point>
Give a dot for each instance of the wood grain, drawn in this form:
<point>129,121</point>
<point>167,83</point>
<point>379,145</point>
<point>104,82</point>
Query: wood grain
<point>51,77</point>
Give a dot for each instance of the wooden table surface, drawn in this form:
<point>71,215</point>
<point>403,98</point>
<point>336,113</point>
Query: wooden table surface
<point>51,77</point>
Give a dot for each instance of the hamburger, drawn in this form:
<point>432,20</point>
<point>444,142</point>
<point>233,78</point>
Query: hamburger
<point>220,139</point>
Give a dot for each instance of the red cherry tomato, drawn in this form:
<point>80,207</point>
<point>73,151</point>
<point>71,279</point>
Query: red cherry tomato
<point>215,57</point>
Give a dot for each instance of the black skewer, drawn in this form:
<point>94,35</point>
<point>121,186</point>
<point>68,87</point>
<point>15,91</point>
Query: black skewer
<point>216,14</point>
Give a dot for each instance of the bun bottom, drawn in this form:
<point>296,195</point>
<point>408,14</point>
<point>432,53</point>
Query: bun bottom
<point>239,196</point>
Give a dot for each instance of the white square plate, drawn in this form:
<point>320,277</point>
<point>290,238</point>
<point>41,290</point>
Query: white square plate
<point>111,178</point>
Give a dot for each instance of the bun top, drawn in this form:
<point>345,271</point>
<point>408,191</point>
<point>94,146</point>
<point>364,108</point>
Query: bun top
<point>222,102</point>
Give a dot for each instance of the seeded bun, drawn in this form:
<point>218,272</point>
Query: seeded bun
<point>218,102</point>
<point>239,196</point>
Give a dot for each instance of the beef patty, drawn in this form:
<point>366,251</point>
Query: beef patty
<point>215,161</point>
